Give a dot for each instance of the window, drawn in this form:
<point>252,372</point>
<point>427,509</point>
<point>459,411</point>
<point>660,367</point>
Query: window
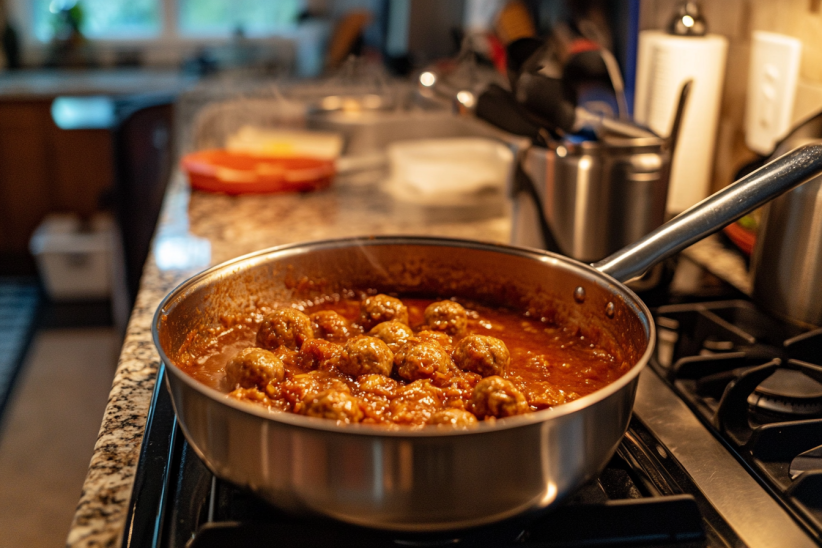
<point>98,18</point>
<point>224,17</point>
<point>128,19</point>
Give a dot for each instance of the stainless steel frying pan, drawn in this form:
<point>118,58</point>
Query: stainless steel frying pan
<point>431,479</point>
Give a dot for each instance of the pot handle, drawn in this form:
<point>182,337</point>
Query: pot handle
<point>714,212</point>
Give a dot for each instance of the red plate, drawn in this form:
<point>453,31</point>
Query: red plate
<point>236,173</point>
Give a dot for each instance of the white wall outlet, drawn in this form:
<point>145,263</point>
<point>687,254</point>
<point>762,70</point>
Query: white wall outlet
<point>771,89</point>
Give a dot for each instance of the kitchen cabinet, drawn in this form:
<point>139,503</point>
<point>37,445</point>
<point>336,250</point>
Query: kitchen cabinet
<point>46,169</point>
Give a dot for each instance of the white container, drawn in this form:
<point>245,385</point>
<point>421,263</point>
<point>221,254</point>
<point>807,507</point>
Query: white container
<point>75,264</point>
<point>452,179</point>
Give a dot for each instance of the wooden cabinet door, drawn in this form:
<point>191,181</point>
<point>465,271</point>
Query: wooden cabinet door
<point>46,169</point>
<point>25,196</point>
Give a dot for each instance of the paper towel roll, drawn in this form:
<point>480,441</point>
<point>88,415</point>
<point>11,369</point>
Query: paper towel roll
<point>664,63</point>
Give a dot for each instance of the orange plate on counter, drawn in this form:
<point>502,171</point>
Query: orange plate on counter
<point>237,173</point>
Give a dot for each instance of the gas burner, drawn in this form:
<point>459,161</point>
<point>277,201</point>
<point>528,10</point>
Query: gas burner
<point>788,393</point>
<point>757,385</point>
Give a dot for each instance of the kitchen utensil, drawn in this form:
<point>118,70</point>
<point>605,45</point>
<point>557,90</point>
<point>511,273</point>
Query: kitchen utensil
<point>435,479</point>
<point>519,54</point>
<point>594,196</point>
<point>787,258</point>
<point>543,96</point>
<point>498,106</point>
<point>809,461</point>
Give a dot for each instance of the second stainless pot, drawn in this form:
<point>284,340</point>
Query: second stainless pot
<point>787,258</point>
<point>595,197</point>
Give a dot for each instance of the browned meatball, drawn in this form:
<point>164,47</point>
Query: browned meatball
<point>252,368</point>
<point>330,326</point>
<point>446,316</point>
<point>285,327</point>
<point>381,308</point>
<point>296,388</point>
<point>457,418</point>
<point>424,361</point>
<point>364,355</point>
<point>252,395</point>
<point>436,337</point>
<point>378,384</point>
<point>496,397</point>
<point>393,333</point>
<point>333,404</point>
<point>319,354</point>
<point>482,354</point>
<point>415,403</point>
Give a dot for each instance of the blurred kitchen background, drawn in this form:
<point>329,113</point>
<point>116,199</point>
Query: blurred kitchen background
<point>100,98</point>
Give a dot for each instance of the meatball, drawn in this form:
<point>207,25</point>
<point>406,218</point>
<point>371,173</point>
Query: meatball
<point>252,395</point>
<point>458,418</point>
<point>482,354</point>
<point>379,385</point>
<point>333,404</point>
<point>496,397</point>
<point>252,368</point>
<point>285,327</point>
<point>415,403</point>
<point>437,337</point>
<point>424,361</point>
<point>295,389</point>
<point>446,316</point>
<point>330,326</point>
<point>364,355</point>
<point>381,308</point>
<point>319,354</point>
<point>393,333</point>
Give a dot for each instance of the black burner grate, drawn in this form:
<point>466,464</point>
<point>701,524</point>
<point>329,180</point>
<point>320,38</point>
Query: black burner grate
<point>757,384</point>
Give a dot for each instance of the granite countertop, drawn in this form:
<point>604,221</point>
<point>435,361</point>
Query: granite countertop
<point>197,229</point>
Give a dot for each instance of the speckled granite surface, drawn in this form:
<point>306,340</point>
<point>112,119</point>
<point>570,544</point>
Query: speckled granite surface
<point>232,226</point>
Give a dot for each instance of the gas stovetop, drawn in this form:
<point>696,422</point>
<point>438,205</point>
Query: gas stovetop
<point>756,384</point>
<point>709,458</point>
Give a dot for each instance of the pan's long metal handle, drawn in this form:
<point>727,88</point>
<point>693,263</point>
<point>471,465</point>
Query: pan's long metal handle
<point>714,212</point>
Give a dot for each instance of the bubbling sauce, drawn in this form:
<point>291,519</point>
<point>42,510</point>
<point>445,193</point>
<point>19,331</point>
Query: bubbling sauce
<point>438,371</point>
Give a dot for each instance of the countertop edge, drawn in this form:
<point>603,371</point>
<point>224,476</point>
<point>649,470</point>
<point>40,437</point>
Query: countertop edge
<point>101,511</point>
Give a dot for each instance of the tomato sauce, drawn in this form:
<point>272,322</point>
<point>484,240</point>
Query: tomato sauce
<point>549,365</point>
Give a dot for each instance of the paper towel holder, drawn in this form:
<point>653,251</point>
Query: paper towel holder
<point>688,20</point>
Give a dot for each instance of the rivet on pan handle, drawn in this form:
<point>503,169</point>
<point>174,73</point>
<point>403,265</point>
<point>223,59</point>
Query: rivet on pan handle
<point>714,212</point>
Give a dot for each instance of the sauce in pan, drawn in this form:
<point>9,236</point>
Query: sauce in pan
<point>403,362</point>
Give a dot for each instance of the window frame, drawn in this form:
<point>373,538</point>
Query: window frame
<point>171,34</point>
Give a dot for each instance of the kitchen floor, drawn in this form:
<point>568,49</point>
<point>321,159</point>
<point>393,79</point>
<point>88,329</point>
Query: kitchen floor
<point>48,432</point>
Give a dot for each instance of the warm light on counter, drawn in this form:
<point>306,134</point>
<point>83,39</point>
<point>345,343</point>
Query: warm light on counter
<point>428,79</point>
<point>466,98</point>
